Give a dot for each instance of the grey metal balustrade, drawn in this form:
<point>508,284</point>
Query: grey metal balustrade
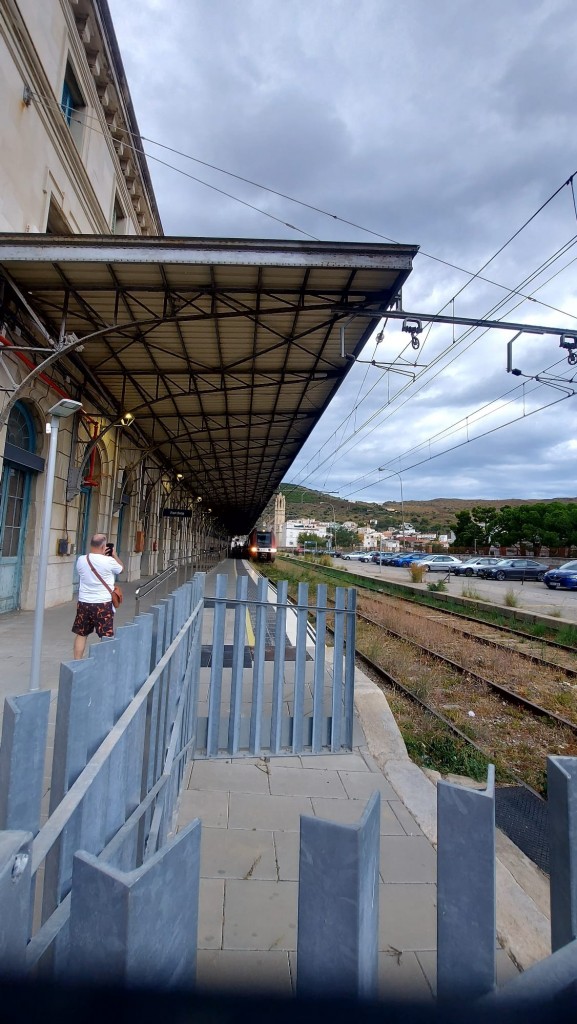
<point>105,862</point>
<point>264,692</point>
<point>125,725</point>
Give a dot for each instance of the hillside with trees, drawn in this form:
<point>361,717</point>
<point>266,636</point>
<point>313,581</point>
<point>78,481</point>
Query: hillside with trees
<point>439,515</point>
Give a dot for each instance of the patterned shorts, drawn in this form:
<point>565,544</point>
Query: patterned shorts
<point>90,617</point>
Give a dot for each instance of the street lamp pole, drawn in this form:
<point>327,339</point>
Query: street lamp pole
<point>385,469</point>
<point>65,407</point>
<point>332,507</point>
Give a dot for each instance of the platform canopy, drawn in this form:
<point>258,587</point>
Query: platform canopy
<point>225,351</point>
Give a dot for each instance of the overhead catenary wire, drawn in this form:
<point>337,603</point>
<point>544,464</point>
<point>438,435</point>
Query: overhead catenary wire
<point>469,440</point>
<point>472,275</point>
<point>563,249</point>
<point>493,407</point>
<point>437,359</point>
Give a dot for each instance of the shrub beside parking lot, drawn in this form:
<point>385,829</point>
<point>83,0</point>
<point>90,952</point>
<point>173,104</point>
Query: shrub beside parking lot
<point>416,572</point>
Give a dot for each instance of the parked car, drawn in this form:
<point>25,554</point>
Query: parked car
<point>356,556</point>
<point>368,556</point>
<point>407,557</point>
<point>514,569</point>
<point>384,557</point>
<point>565,577</point>
<point>473,566</point>
<point>440,563</point>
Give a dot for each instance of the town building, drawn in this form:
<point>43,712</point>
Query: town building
<point>292,528</point>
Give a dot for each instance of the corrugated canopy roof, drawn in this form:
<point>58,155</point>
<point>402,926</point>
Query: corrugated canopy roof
<point>226,351</point>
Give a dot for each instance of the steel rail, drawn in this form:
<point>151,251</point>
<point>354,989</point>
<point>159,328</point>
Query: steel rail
<point>507,629</point>
<point>509,695</point>
<point>396,685</point>
<point>488,642</point>
<point>422,598</point>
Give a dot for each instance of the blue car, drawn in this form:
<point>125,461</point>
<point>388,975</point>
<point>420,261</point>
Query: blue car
<point>565,577</point>
<point>407,558</point>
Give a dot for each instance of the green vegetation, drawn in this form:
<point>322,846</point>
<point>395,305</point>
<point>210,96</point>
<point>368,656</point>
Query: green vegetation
<point>549,523</point>
<point>509,521</point>
<point>319,559</point>
<point>346,538</point>
<point>511,599</point>
<point>437,588</point>
<point>567,635</point>
<point>536,629</point>
<point>284,568</point>
<point>445,754</point>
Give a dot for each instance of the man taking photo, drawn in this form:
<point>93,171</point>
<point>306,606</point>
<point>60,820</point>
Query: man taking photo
<point>97,572</point>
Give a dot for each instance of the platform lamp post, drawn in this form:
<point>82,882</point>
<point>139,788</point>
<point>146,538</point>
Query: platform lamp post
<point>65,407</point>
<point>385,469</point>
<point>332,507</point>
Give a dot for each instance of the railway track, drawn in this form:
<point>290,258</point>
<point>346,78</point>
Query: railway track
<point>502,691</point>
<point>520,811</point>
<point>505,727</point>
<point>495,700</point>
<point>423,599</point>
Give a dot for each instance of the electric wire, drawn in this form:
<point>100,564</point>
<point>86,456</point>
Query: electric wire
<point>53,101</point>
<point>141,152</point>
<point>561,251</point>
<point>467,421</point>
<point>495,406</point>
<point>428,380</point>
<point>474,275</point>
<point>447,451</point>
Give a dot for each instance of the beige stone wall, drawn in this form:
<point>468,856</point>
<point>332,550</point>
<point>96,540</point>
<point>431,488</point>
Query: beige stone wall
<point>84,169</point>
<point>116,451</point>
<point>81,167</point>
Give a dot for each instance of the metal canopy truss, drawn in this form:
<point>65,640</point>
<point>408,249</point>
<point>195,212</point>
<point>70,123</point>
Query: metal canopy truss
<point>225,351</point>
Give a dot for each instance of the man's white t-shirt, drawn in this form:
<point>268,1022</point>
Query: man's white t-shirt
<point>91,590</point>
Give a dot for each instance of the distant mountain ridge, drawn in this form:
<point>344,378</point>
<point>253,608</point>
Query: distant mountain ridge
<point>433,513</point>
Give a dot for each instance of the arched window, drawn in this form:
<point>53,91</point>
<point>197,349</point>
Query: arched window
<point>20,429</point>
<point>20,447</point>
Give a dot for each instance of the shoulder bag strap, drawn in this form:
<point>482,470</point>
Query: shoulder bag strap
<point>96,573</point>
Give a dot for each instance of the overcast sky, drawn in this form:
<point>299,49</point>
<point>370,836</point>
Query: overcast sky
<point>444,124</point>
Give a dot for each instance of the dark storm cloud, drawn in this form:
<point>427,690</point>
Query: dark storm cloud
<point>445,125</point>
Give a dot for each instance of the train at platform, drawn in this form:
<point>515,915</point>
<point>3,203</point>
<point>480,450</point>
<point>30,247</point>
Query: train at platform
<point>261,546</point>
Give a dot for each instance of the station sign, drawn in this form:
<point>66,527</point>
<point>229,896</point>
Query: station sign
<point>177,513</point>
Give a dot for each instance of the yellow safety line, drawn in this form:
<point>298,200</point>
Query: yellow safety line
<point>249,630</point>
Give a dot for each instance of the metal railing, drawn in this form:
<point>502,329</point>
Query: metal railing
<point>298,702</point>
<point>152,584</point>
<point>103,865</point>
<point>178,570</point>
<point>125,726</point>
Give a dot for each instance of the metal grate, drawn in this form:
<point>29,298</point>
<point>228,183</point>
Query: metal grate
<point>227,657</point>
<point>523,816</point>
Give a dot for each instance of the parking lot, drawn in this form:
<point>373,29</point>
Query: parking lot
<point>534,597</point>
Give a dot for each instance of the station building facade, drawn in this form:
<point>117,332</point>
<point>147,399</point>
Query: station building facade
<point>70,164</point>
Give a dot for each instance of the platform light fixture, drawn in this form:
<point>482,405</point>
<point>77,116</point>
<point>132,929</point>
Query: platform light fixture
<point>65,407</point>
